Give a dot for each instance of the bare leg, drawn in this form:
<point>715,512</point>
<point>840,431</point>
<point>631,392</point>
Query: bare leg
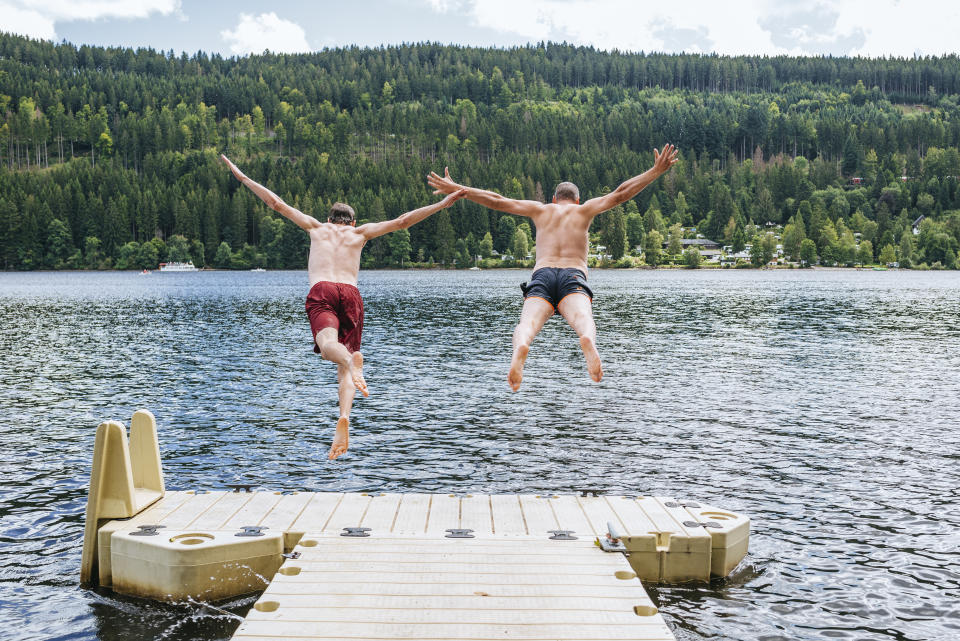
<point>535,313</point>
<point>341,439</point>
<point>332,350</point>
<point>577,309</point>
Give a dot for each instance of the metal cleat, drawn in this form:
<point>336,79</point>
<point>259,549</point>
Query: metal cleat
<point>355,531</point>
<point>147,530</point>
<point>251,530</point>
<point>562,535</point>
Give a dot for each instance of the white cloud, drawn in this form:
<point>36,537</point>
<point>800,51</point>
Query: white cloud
<point>771,27</point>
<point>440,6</point>
<point>38,18</point>
<point>266,31</point>
<point>25,22</point>
<point>901,28</point>
<point>618,24</point>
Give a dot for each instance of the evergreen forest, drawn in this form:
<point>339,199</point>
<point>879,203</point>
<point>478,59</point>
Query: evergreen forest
<point>109,156</point>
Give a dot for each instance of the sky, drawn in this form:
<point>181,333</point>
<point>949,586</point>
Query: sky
<point>903,28</point>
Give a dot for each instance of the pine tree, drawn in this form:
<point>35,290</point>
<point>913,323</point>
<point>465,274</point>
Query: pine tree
<point>614,233</point>
<point>399,246</point>
<point>446,241</point>
<point>520,244</point>
<point>653,248</point>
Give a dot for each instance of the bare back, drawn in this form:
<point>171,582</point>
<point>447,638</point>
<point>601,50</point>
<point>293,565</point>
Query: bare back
<point>334,253</point>
<point>562,235</point>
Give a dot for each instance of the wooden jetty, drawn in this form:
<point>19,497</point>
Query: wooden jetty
<point>399,566</point>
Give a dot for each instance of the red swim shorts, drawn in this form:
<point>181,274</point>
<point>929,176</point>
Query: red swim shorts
<point>336,305</point>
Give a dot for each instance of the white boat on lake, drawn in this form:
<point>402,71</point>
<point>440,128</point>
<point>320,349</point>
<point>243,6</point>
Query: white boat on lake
<point>178,267</point>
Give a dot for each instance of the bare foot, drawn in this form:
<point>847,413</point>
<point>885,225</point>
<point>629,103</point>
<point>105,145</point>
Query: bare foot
<point>356,370</point>
<point>341,439</point>
<point>593,358</point>
<point>515,377</point>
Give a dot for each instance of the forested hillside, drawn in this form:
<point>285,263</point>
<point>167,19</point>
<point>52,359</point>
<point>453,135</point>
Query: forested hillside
<point>108,156</point>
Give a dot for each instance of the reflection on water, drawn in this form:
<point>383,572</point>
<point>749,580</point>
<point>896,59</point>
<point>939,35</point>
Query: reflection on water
<point>823,404</point>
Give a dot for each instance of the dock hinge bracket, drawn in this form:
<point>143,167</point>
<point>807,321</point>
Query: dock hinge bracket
<point>251,530</point>
<point>147,530</point>
<point>459,533</point>
<point>561,535</point>
<point>713,524</point>
<point>236,487</point>
<point>355,531</point>
<point>692,504</point>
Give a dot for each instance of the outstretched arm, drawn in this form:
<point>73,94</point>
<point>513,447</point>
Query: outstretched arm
<point>372,230</point>
<point>663,160</point>
<point>273,201</point>
<point>491,199</point>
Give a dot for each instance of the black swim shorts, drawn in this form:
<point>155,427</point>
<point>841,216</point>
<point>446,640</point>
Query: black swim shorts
<point>553,284</point>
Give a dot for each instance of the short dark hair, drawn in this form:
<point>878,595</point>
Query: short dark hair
<point>342,214</point>
<point>567,191</point>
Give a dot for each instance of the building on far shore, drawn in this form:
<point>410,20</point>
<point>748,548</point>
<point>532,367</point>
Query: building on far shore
<point>709,249</point>
<point>731,258</point>
<point>699,243</point>
<point>916,225</point>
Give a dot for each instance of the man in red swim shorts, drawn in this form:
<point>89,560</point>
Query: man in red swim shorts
<point>334,305</point>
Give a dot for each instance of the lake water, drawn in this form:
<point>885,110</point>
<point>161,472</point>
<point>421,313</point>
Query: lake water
<point>823,404</point>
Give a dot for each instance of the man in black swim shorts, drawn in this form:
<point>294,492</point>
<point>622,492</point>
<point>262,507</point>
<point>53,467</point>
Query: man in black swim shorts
<point>553,284</point>
<point>559,282</point>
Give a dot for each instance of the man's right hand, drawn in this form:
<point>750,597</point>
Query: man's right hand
<point>444,184</point>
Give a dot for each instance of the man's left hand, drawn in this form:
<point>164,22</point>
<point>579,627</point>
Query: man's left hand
<point>443,185</point>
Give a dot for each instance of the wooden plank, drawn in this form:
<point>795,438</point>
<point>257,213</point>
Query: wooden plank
<point>458,616</point>
<point>428,556</point>
<point>324,629</point>
<point>475,514</point>
<point>382,512</point>
<point>493,566</point>
<point>570,516</point>
<point>525,545</point>
<point>634,520</point>
<point>445,578</point>
<point>285,512</point>
<point>219,513</point>
<point>537,514</point>
<point>507,516</point>
<point>193,507</point>
<point>317,512</point>
<point>266,638</point>
<point>629,589</point>
<point>668,519</point>
<point>444,514</point>
<point>349,513</point>
<point>253,511</point>
<point>412,514</point>
<point>397,545</point>
<point>257,637</point>
<point>444,602</point>
<point>599,513</point>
